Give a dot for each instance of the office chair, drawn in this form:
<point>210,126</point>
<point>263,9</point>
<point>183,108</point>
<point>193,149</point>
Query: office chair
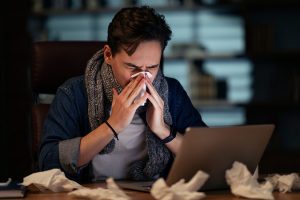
<point>52,64</point>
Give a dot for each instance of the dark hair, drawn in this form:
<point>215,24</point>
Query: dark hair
<point>131,26</point>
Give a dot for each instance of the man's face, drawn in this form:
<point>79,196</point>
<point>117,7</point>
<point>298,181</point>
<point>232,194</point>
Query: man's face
<point>145,58</point>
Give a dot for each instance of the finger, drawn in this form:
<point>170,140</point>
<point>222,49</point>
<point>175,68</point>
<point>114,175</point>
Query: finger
<point>115,94</point>
<point>136,91</point>
<point>126,88</point>
<point>152,89</point>
<point>154,102</point>
<point>155,94</point>
<point>140,102</point>
<point>133,83</point>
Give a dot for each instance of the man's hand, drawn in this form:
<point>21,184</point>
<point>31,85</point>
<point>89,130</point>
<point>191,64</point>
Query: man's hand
<point>124,104</point>
<point>155,113</point>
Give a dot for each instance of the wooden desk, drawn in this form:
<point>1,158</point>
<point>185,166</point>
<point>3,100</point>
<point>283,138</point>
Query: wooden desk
<point>64,196</point>
<point>219,195</point>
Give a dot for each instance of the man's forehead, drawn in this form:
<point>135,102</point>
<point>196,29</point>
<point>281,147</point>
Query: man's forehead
<point>139,60</point>
<point>148,53</point>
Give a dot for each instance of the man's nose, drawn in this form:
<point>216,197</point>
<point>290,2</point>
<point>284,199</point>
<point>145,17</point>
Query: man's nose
<point>143,68</point>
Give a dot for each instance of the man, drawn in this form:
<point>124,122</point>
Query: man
<point>98,125</point>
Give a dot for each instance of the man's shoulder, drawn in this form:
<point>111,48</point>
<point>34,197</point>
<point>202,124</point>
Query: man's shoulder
<point>173,84</point>
<point>73,81</point>
<point>73,85</point>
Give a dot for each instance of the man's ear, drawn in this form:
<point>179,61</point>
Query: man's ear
<point>107,54</point>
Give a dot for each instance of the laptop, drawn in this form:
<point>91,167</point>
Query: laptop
<point>213,150</point>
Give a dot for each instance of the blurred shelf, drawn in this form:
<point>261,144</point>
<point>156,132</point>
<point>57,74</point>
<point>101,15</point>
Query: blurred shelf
<point>204,56</point>
<point>270,105</point>
<point>103,10</point>
<point>212,103</point>
<point>218,103</point>
<point>291,55</point>
<point>227,6</point>
<point>269,4</point>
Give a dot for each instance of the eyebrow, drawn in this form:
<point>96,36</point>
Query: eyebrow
<point>135,66</point>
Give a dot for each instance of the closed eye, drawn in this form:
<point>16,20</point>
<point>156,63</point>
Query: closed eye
<point>135,67</point>
<point>152,67</point>
<point>131,66</point>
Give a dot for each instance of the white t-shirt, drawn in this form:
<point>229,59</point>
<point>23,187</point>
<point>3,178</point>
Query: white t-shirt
<point>130,147</point>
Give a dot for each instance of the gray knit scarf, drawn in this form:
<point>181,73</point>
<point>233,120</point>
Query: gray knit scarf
<point>99,81</point>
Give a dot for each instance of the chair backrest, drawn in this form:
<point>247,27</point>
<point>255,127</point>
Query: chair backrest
<point>52,64</point>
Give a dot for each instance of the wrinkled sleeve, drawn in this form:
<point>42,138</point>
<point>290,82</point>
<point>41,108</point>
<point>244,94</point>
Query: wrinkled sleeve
<point>68,151</point>
<point>61,135</point>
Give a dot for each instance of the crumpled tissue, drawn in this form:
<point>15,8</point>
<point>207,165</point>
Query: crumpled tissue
<point>285,183</point>
<point>111,193</point>
<point>180,190</point>
<point>243,183</point>
<point>145,74</point>
<point>53,180</point>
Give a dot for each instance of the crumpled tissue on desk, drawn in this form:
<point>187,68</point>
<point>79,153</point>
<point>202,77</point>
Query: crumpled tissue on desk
<point>53,180</point>
<point>285,183</point>
<point>243,183</point>
<point>160,190</point>
<point>111,193</point>
<point>180,190</point>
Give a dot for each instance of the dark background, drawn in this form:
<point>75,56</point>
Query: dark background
<point>15,90</point>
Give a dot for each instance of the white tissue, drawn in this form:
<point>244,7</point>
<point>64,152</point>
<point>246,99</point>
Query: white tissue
<point>149,75</point>
<point>180,190</point>
<point>53,180</point>
<point>111,193</point>
<point>285,183</point>
<point>243,184</point>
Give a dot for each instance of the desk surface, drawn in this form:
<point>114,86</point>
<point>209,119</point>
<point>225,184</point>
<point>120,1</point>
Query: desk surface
<point>219,195</point>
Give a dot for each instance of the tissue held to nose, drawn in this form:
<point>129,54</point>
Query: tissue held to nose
<point>149,75</point>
